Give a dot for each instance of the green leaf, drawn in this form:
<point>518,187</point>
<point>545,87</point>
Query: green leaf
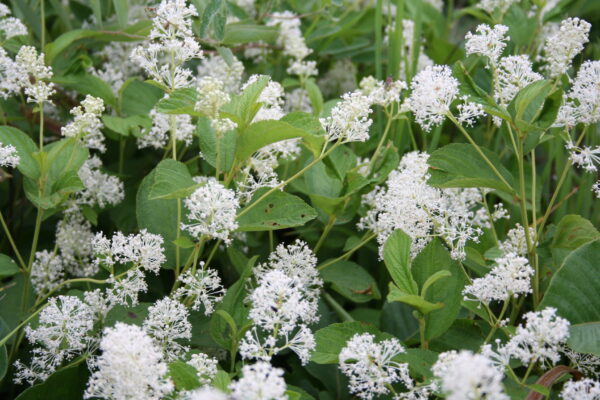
<point>122,11</point>
<point>315,96</point>
<point>574,231</point>
<point>240,33</point>
<point>172,180</point>
<point>3,361</point>
<point>137,97</point>
<point>7,267</point>
<point>213,19</point>
<point>183,242</point>
<point>242,108</point>
<point>351,281</point>
<point>332,339</point>
<point>418,302</point>
<point>181,101</point>
<point>263,133</point>
<point>234,306</point>
<point>460,165</point>
<point>184,376</point>
<point>207,138</point>
<point>127,126</point>
<point>159,216</point>
<point>528,102</point>
<point>65,384</point>
<point>28,166</point>
<point>432,263</point>
<point>222,381</point>
<point>573,291</point>
<point>279,210</point>
<point>87,84</point>
<point>396,255</point>
<point>129,315</point>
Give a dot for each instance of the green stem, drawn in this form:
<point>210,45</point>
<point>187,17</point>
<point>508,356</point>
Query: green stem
<point>326,231</point>
<point>12,242</point>
<point>381,141</point>
<point>422,326</point>
<point>287,181</point>
<point>478,149</point>
<point>498,320</point>
<point>347,254</point>
<point>337,307</point>
<point>18,328</point>
<point>41,106</point>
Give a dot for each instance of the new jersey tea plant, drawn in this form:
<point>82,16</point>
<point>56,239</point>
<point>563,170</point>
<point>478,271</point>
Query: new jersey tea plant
<point>301,200</point>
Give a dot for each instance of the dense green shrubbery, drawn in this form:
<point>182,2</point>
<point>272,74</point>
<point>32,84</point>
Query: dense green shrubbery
<point>242,199</point>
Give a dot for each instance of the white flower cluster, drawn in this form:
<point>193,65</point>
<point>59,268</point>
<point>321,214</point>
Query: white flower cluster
<point>291,39</point>
<point>285,300</point>
<point>212,211</point>
<point>101,189</point>
<point>582,103</point>
<point>9,157</point>
<point>87,125</point>
<point>212,96</point>
<point>433,91</point>
<point>10,26</point>
<point>492,5</point>
<point>171,45</point>
<point>585,389</point>
<point>540,340</point>
<point>74,240</point>
<point>206,367</point>
<point>131,366</point>
<point>167,322</point>
<point>117,65</point>
<point>585,157</point>
<point>513,73</point>
<point>62,333</point>
<point>202,287</point>
<point>33,75</point>
<point>47,271</point>
<point>158,135</point>
<point>349,120</point>
<point>259,381</point>
<point>509,277</point>
<point>421,211</point>
<point>487,41</point>
<point>370,366</point>
<point>383,93</point>
<point>516,241</point>
<point>465,375</point>
<point>229,74</point>
<point>562,47</point>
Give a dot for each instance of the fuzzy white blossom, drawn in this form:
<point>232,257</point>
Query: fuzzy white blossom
<point>582,103</point>
<point>203,287</point>
<point>167,323</point>
<point>585,389</point>
<point>469,112</point>
<point>205,393</point>
<point>117,65</point>
<point>513,73</point>
<point>9,75</point>
<point>130,367</point>
<point>496,5</point>
<point>62,333</point>
<point>47,271</point>
<point>298,100</point>
<point>561,48</point>
<point>487,41</point>
<point>171,44</point>
<point>101,189</point>
<point>516,241</point>
<point>465,375</point>
<point>291,39</point>
<point>540,339</point>
<point>217,67</point>
<point>433,90</point>
<point>211,97</point>
<point>382,93</point>
<point>10,26</point>
<point>74,240</point>
<point>143,249</point>
<point>9,157</point>
<point>421,211</point>
<point>585,157</point>
<point>510,277</point>
<point>34,75</point>
<point>212,211</point>
<point>86,125</point>
<point>370,366</point>
<point>206,367</point>
<point>158,135</point>
<point>349,120</point>
<point>259,381</point>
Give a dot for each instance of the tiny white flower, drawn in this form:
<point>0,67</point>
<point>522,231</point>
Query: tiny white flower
<point>259,381</point>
